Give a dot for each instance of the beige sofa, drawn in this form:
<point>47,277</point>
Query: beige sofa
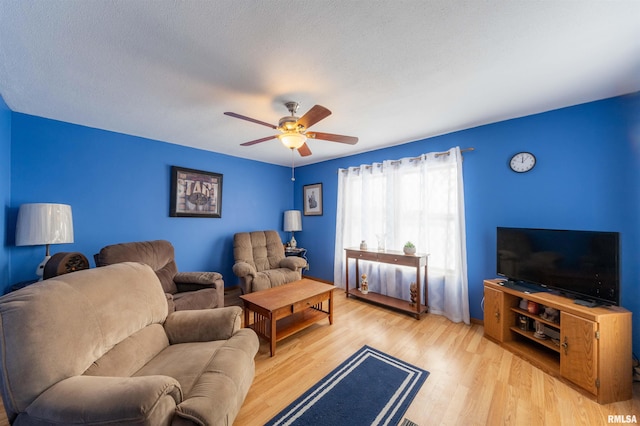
<point>99,347</point>
<point>260,262</point>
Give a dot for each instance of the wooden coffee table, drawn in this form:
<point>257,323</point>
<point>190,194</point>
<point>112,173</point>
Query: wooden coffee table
<point>281,311</point>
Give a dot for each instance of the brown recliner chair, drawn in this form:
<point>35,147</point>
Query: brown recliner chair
<point>260,262</point>
<point>184,290</point>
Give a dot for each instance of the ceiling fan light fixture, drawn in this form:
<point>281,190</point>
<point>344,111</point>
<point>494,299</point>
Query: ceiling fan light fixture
<point>294,130</point>
<point>292,140</point>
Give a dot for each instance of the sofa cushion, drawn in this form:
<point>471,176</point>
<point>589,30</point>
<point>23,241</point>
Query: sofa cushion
<point>73,320</point>
<point>274,278</point>
<point>220,391</point>
<point>214,376</point>
<point>184,362</point>
<point>131,354</point>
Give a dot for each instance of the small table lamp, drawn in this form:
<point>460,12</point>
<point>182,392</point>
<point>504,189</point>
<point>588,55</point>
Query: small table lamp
<point>44,224</point>
<point>292,223</point>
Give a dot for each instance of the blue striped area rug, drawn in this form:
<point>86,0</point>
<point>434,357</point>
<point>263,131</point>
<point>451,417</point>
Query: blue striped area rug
<point>369,388</point>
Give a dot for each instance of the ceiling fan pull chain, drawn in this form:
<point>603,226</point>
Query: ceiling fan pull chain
<point>293,176</point>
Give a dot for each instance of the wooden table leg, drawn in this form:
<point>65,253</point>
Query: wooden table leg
<point>346,279</point>
<point>331,307</point>
<point>272,337</point>
<point>426,288</point>
<point>418,291</point>
<point>246,316</point>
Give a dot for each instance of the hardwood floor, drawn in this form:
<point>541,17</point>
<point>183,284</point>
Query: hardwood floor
<point>472,382</point>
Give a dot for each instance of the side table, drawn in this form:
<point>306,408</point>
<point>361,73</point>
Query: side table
<point>298,251</point>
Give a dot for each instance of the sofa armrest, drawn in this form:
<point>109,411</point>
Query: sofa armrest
<point>243,269</point>
<point>293,262</point>
<point>203,325</point>
<point>194,281</point>
<point>203,279</point>
<point>107,400</point>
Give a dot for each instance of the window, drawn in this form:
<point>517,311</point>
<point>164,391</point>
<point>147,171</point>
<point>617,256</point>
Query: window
<point>414,199</point>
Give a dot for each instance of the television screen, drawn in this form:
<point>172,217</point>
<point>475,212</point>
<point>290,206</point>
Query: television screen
<point>582,264</point>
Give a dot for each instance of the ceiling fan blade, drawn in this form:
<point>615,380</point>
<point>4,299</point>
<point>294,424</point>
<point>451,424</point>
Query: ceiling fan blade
<point>253,120</point>
<point>351,140</point>
<point>315,114</point>
<point>258,141</point>
<point>304,150</point>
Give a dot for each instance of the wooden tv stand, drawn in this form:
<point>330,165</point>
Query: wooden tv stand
<point>593,353</point>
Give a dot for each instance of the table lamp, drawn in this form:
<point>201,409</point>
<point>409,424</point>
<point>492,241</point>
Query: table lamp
<point>44,224</point>
<point>292,223</point>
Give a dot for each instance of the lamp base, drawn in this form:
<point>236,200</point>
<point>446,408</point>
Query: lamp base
<point>293,243</point>
<point>40,269</point>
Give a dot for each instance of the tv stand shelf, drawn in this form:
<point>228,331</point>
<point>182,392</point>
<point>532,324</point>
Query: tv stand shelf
<point>535,317</point>
<point>530,335</point>
<point>593,354</point>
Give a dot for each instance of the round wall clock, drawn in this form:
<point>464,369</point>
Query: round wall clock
<point>522,162</point>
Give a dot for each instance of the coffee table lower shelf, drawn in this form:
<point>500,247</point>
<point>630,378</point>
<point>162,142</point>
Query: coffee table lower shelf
<point>390,302</point>
<point>287,326</point>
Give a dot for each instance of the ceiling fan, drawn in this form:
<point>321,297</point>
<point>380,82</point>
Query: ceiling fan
<point>294,131</point>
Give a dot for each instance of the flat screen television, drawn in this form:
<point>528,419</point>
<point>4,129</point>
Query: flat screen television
<point>584,265</point>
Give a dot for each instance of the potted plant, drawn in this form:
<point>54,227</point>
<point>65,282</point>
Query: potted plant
<point>409,248</point>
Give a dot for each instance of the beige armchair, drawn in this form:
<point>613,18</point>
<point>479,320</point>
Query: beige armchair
<point>184,290</point>
<point>260,262</point>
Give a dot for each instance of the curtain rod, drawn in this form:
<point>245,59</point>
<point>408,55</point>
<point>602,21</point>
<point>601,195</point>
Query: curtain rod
<point>438,154</point>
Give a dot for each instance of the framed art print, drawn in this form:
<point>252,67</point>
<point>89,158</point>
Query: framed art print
<point>195,193</point>
<point>312,195</point>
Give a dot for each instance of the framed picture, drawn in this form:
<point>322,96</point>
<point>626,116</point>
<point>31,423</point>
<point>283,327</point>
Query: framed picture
<point>195,193</point>
<point>312,195</point>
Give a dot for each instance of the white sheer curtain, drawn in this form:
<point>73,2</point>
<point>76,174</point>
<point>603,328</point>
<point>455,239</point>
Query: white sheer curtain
<point>414,199</point>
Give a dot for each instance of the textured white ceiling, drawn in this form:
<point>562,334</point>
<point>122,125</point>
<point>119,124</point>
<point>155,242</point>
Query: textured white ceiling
<point>391,71</point>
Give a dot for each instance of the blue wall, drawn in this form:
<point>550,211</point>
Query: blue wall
<point>118,187</point>
<point>586,177</point>
<point>5,189</point>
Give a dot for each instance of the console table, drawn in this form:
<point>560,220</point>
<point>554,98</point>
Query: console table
<point>418,261</point>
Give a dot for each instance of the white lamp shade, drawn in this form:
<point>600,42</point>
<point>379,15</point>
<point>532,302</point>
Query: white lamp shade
<point>43,223</point>
<point>292,140</point>
<point>292,221</point>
